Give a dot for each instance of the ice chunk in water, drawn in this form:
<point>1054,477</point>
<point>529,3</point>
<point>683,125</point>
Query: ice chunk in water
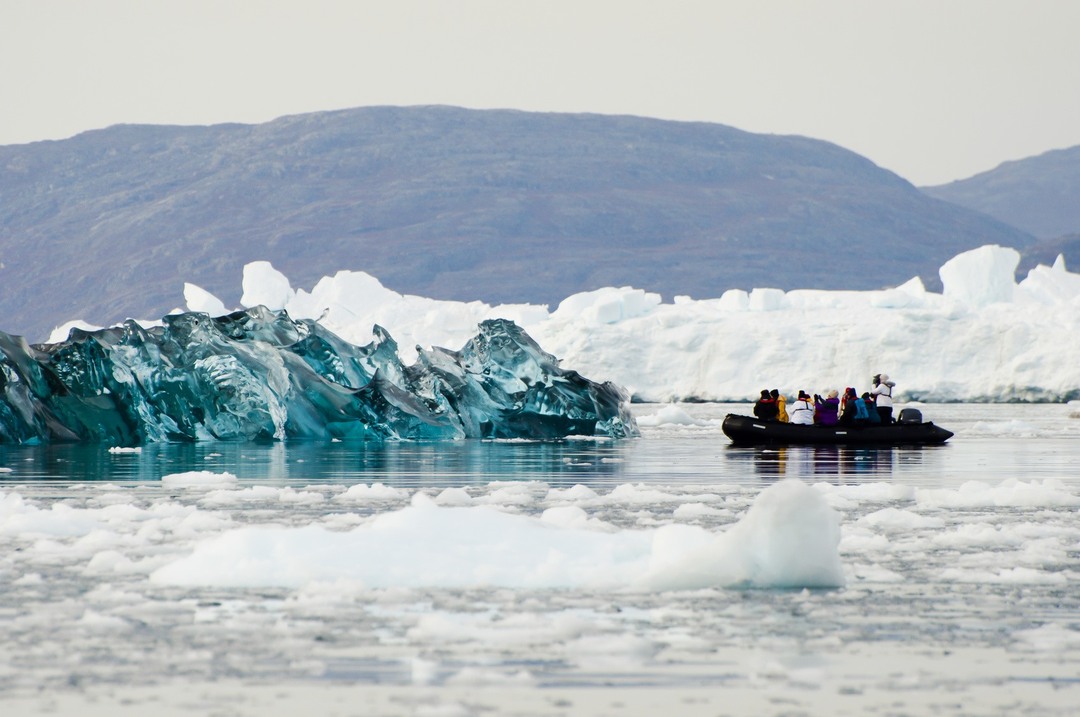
<point>259,374</point>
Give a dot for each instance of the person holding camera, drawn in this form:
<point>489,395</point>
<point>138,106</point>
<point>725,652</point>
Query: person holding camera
<point>883,397</point>
<point>827,410</point>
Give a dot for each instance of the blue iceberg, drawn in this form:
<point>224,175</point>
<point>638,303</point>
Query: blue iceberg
<point>261,375</point>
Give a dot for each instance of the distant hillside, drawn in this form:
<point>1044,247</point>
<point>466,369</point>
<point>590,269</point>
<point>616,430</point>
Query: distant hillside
<point>1047,251</point>
<point>502,206</point>
<point>1039,195</point>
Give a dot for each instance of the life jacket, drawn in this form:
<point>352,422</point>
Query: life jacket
<point>766,409</point>
<point>803,405</point>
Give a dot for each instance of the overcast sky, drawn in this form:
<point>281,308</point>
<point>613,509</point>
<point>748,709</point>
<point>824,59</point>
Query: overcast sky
<point>933,90</point>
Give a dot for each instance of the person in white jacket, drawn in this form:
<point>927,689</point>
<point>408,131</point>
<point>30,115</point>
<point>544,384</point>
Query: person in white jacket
<point>802,411</point>
<point>882,393</point>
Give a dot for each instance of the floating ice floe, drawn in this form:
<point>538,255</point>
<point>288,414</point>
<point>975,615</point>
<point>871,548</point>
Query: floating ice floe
<point>788,538</point>
<point>198,479</point>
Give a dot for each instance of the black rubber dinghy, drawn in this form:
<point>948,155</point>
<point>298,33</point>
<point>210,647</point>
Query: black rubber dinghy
<point>748,431</point>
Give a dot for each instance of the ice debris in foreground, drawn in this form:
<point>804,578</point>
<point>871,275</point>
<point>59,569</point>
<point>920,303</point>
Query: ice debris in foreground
<point>788,539</point>
<point>259,374</point>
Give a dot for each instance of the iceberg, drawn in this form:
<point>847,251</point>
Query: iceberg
<point>259,374</point>
<point>986,337</point>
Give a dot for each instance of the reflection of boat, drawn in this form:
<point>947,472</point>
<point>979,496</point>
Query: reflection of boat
<point>747,431</point>
<point>820,462</point>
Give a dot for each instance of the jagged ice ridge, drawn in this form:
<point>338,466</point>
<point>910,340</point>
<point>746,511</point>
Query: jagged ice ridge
<point>259,374</point>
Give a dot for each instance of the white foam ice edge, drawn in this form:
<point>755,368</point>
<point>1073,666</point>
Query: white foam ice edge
<point>991,337</point>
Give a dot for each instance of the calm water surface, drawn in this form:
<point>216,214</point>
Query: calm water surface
<point>992,442</point>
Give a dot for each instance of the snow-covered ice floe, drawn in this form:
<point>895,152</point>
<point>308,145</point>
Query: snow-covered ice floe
<point>788,538</point>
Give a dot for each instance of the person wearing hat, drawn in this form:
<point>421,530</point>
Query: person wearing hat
<point>802,411</point>
<point>872,415</point>
<point>862,410</point>
<point>765,408</point>
<point>827,412</point>
<point>781,405</point>
<point>882,393</point>
<point>848,408</point>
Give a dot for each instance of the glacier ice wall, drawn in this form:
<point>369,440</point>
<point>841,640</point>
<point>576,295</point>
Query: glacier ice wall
<point>985,338</point>
<point>259,374</point>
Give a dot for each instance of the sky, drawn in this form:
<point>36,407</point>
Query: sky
<point>934,90</point>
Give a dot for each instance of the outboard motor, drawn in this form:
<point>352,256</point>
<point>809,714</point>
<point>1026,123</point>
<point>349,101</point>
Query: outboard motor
<point>909,415</point>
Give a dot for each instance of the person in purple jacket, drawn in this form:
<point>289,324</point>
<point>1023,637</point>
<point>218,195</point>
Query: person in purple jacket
<point>827,409</point>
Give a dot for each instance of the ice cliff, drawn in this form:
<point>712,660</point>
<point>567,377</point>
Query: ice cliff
<point>986,337</point>
<point>259,374</point>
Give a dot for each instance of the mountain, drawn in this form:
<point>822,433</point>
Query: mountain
<point>1047,251</point>
<point>502,206</point>
<point>1039,195</point>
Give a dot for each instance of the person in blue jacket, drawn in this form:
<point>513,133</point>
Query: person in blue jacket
<point>872,415</point>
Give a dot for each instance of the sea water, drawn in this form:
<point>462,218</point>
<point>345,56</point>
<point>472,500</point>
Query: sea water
<point>960,566</point>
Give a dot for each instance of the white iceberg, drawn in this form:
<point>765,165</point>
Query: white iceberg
<point>984,338</point>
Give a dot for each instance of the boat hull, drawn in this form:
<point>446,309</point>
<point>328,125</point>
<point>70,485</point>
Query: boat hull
<point>747,431</point>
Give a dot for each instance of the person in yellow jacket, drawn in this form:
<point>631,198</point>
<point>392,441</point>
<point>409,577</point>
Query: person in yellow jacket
<point>781,406</point>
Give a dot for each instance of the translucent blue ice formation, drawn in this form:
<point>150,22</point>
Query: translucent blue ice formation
<point>261,375</point>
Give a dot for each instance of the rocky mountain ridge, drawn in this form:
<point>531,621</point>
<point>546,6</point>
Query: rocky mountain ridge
<point>499,206</point>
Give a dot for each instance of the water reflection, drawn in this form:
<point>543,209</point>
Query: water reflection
<point>834,463</point>
<point>297,463</point>
<point>671,457</point>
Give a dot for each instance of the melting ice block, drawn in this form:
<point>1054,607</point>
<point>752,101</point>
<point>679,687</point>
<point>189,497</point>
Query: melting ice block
<point>259,374</point>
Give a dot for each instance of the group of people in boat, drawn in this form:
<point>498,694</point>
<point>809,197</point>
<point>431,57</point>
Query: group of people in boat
<point>873,407</point>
